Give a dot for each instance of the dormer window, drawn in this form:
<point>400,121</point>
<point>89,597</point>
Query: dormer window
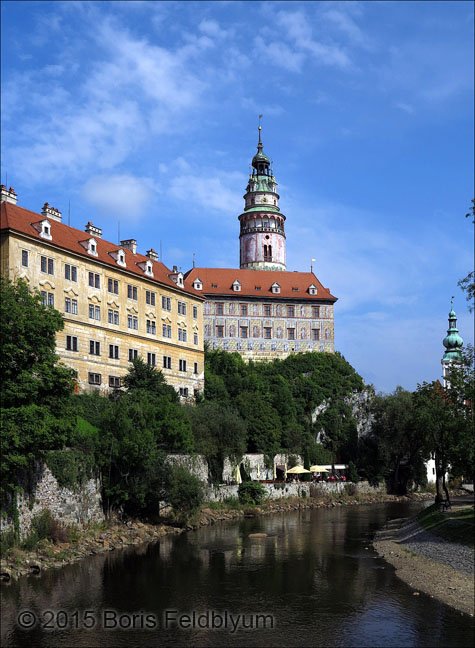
<point>147,267</point>
<point>179,279</point>
<point>275,288</point>
<point>237,286</point>
<point>312,289</point>
<point>197,284</point>
<point>43,228</point>
<point>121,258</point>
<point>92,247</point>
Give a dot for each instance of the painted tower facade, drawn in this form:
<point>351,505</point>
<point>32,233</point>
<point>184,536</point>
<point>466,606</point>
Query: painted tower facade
<point>262,234</point>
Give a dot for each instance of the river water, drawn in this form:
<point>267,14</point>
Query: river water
<point>314,581</point>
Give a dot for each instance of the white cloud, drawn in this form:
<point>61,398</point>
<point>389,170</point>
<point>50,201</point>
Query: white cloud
<point>209,191</point>
<point>405,107</point>
<point>120,196</point>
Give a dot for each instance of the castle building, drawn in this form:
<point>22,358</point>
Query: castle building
<point>261,310</point>
<point>117,304</point>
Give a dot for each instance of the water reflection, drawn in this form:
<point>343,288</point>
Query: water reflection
<point>315,572</point>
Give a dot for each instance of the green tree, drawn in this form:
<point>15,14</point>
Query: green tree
<point>218,432</point>
<point>142,376</point>
<point>467,284</point>
<point>35,409</point>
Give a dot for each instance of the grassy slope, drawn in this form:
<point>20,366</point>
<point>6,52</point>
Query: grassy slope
<point>456,526</point>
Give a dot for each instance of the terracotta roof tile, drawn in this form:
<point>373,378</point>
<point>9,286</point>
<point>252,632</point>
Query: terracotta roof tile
<point>18,219</point>
<point>257,283</point>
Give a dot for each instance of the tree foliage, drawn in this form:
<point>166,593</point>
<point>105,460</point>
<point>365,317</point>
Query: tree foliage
<point>467,284</point>
<point>36,388</point>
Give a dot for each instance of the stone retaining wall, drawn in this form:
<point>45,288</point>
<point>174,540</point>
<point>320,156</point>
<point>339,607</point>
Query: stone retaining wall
<point>78,508</point>
<point>281,490</point>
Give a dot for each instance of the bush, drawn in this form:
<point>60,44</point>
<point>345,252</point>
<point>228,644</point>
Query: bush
<point>184,491</point>
<point>352,473</point>
<point>71,468</point>
<point>251,493</point>
<point>350,489</point>
<point>45,527</point>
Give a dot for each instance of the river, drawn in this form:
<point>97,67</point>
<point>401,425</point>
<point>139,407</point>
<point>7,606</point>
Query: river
<point>314,581</point>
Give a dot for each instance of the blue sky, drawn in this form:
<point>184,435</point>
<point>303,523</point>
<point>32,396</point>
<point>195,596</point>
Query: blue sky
<point>145,114</point>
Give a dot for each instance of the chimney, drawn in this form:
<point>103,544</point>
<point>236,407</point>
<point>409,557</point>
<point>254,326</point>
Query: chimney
<point>51,212</point>
<point>93,230</point>
<point>130,244</point>
<point>175,269</point>
<point>152,254</point>
<point>7,195</point>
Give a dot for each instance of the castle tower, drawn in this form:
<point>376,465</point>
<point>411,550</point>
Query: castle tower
<point>452,343</point>
<point>262,235</point>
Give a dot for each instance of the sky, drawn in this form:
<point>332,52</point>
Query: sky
<point>142,118</point>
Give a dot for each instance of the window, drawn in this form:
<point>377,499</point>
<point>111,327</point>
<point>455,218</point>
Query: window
<point>181,335</point>
<point>132,292</point>
<point>220,331</point>
<point>243,309</point>
<point>315,334</point>
<point>195,338</point>
<point>74,306</point>
<point>295,289</point>
<point>70,272</point>
<point>219,309</point>
<point>151,327</point>
<point>94,280</point>
<point>94,347</point>
<point>315,311</point>
<point>257,287</point>
<point>113,286</point>
<point>94,312</point>
<point>267,310</point>
<point>115,382</point>
<point>291,334</point>
<point>150,297</point>
<point>290,311</point>
<point>181,308</point>
<point>166,330</point>
<point>182,365</point>
<point>114,351</point>
<point>166,303</point>
<point>195,368</point>
<point>183,392</point>
<point>24,258</point>
<point>195,312</point>
<point>214,285</point>
<point>244,331</point>
<point>133,354</point>
<point>268,333</point>
<point>71,343</point>
<point>47,298</point>
<point>167,362</point>
<point>267,249</point>
<point>67,305</point>
<point>132,322</point>
<point>47,265</point>
<point>113,317</point>
<point>152,359</point>
<point>94,379</point>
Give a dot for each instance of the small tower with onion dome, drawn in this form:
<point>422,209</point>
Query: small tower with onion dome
<point>262,235</point>
<point>452,343</point>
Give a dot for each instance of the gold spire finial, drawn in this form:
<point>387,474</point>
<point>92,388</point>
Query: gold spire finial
<point>260,128</point>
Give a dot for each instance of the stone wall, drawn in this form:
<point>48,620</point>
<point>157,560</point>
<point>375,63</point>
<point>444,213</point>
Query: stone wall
<point>78,508</point>
<point>281,490</point>
<point>195,464</point>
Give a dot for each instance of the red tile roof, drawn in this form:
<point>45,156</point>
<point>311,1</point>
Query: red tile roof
<point>18,219</point>
<point>219,281</point>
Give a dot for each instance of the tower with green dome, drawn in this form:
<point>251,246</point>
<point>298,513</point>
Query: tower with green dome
<point>262,234</point>
<point>452,343</point>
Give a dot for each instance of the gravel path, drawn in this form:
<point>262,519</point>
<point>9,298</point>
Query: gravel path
<point>453,554</point>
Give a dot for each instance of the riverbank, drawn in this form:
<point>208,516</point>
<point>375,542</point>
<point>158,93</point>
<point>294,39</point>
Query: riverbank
<point>433,553</point>
<point>114,534</point>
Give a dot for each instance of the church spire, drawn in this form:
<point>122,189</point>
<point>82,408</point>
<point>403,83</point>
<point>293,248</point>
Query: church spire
<point>452,341</point>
